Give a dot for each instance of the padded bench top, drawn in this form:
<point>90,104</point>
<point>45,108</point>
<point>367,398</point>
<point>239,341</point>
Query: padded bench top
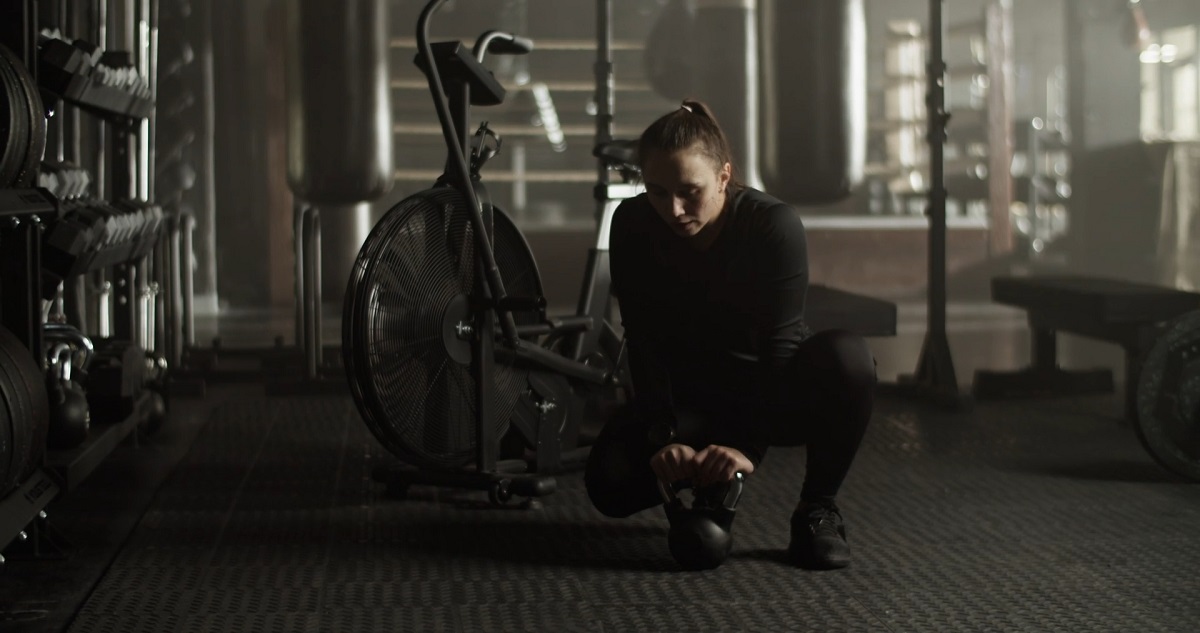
<point>1105,300</point>
<point>828,308</point>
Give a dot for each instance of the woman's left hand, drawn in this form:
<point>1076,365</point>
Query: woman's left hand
<point>717,465</point>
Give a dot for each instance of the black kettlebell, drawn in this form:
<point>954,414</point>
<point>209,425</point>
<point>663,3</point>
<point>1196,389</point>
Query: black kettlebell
<point>700,536</point>
<point>70,416</point>
<point>156,388</point>
<point>157,413</point>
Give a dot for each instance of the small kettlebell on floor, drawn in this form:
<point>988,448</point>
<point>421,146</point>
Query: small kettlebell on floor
<point>700,536</point>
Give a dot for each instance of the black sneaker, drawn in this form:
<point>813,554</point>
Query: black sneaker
<point>818,537</point>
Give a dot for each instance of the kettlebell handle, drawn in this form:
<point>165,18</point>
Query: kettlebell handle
<point>60,361</point>
<point>670,492</point>
<point>60,333</point>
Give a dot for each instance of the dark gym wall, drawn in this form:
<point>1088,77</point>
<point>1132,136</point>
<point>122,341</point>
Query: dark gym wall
<point>253,248</point>
<point>252,229</point>
<point>240,144</point>
<point>184,129</point>
<point>1111,68</point>
<point>1037,42</point>
<point>1111,76</point>
<point>250,273</point>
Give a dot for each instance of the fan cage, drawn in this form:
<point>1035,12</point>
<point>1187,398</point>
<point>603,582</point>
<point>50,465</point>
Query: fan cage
<point>414,397</point>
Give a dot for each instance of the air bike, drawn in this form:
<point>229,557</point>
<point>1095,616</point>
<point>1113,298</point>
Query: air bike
<point>452,360</point>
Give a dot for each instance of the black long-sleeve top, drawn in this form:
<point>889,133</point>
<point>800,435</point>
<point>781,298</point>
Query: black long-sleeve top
<point>715,323</point>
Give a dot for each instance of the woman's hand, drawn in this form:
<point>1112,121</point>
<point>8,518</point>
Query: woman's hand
<point>674,463</point>
<point>713,465</point>
<point>717,465</point>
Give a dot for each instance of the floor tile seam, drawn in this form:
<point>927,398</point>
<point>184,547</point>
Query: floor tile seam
<point>457,610</point>
<point>876,613</point>
<point>235,497</point>
<point>120,551</point>
<point>330,515</point>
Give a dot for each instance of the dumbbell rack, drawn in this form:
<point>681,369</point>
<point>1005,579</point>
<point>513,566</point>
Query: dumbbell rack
<point>21,215</point>
<point>45,239</point>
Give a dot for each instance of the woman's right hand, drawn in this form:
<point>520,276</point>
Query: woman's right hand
<point>673,463</point>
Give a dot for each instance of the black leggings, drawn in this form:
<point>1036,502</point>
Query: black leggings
<point>824,402</point>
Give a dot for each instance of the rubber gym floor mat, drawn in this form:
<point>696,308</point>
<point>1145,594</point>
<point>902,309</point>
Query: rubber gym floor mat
<point>90,524</point>
<point>1033,516</point>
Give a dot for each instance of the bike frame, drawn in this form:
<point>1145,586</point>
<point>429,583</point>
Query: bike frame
<point>549,413</point>
<point>454,120</point>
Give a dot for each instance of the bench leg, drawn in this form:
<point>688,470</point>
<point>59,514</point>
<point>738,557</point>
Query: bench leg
<point>1045,349</point>
<point>1136,350</point>
<point>1043,377</point>
<point>1133,372</point>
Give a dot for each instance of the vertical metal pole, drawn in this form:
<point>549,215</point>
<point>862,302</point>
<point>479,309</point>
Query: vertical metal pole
<point>483,368</point>
<point>19,30</point>
<point>148,69</point>
<point>604,96</point>
<point>199,29</point>
<point>75,300</point>
<point>73,149</point>
<point>937,188</point>
<point>316,353</point>
<point>125,312</point>
<point>935,378</point>
<point>1041,232</point>
<point>101,155</point>
<point>459,97</point>
<point>172,272</point>
<point>188,279</point>
<point>520,192</point>
<point>104,304</point>
<point>151,266</point>
<point>122,183</point>
<point>1076,66</point>
<point>56,132</point>
<point>20,272</point>
<point>998,28</point>
<point>311,238</point>
<point>299,210</point>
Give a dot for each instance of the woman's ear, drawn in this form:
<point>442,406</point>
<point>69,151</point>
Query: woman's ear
<point>725,175</point>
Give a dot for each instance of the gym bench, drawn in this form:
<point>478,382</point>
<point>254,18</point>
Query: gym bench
<point>829,308</point>
<point>1121,312</point>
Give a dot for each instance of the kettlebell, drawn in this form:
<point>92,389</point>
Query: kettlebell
<point>70,416</point>
<point>155,380</point>
<point>700,536</point>
<point>157,413</point>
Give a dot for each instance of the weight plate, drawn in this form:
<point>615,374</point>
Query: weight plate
<point>1168,398</point>
<point>30,443</point>
<point>33,119</point>
<point>16,396</point>
<point>10,417</point>
<point>11,154</point>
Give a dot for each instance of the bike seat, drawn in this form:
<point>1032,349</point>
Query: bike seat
<point>618,153</point>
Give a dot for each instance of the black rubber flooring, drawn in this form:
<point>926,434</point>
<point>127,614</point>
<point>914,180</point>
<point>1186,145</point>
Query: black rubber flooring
<point>1021,516</point>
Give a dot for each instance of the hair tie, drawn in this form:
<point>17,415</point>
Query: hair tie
<point>684,106</point>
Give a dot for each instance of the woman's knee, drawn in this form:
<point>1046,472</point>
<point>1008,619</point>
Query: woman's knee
<point>608,479</point>
<point>616,500</point>
<point>607,500</point>
<point>844,355</point>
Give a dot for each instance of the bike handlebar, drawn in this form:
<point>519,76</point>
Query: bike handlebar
<point>501,43</point>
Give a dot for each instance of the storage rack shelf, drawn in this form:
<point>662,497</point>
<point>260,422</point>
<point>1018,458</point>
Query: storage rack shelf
<point>113,86</point>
